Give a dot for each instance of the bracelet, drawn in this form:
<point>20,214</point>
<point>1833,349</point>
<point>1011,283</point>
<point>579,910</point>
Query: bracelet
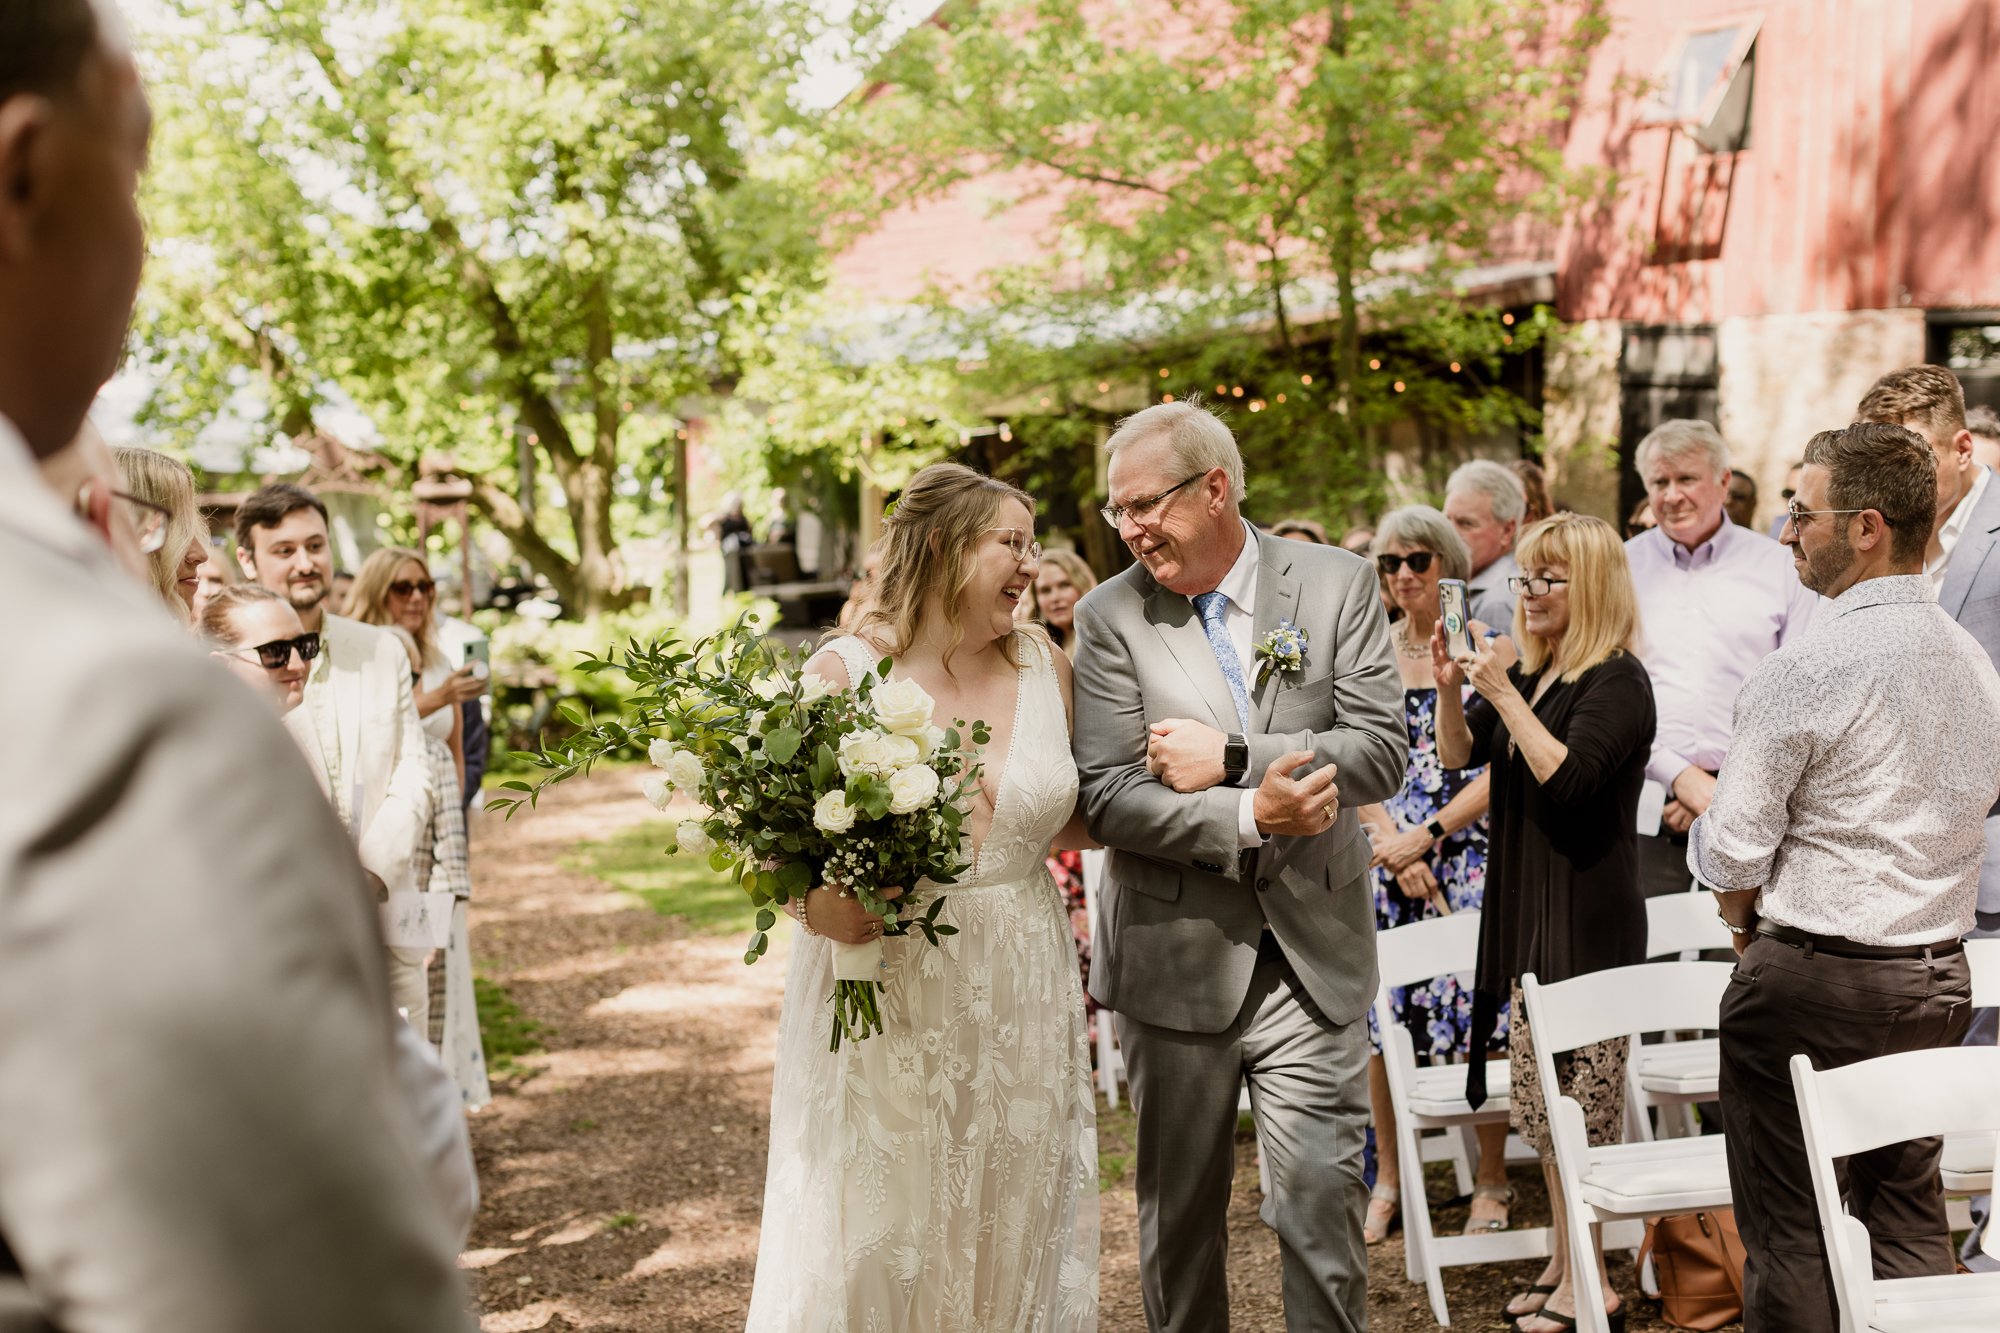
<point>1732,927</point>
<point>800,917</point>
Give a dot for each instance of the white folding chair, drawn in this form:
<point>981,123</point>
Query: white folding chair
<point>1968,1158</point>
<point>1621,1185</point>
<point>1430,1101</point>
<point>1674,1074</point>
<point>1916,1094</point>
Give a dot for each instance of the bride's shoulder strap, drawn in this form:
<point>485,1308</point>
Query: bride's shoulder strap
<point>856,656</point>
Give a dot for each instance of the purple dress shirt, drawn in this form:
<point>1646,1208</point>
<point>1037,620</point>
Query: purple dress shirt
<point>1707,617</point>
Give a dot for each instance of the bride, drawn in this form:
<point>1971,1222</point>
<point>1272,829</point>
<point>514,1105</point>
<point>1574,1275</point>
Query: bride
<point>942,1175</point>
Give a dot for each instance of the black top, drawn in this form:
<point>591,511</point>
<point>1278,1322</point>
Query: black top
<point>1562,877</point>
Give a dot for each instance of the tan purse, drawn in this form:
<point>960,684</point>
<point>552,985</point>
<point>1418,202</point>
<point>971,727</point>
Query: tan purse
<point>1698,1258</point>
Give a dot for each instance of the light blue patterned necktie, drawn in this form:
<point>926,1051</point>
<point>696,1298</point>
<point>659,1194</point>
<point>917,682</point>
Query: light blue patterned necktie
<point>1213,606</point>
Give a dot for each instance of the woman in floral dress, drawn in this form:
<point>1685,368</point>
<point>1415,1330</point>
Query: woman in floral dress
<point>1430,857</point>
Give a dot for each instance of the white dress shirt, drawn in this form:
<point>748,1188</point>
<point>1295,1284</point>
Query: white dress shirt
<point>1954,528</point>
<point>1855,794</point>
<point>1239,620</point>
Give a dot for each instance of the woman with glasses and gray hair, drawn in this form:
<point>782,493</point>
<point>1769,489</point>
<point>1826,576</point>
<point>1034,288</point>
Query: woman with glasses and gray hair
<point>1429,856</point>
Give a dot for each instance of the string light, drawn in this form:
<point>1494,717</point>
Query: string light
<point>1507,338</point>
<point>1221,389</point>
<point>1163,372</point>
<point>1374,363</point>
<point>1281,398</point>
<point>1166,398</point>
<point>1399,386</point>
<point>1256,405</point>
<point>1305,379</point>
<point>1045,402</point>
<point>1103,387</point>
<point>1236,392</point>
<point>1454,367</point>
<point>1507,319</point>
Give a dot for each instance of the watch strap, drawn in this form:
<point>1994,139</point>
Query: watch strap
<point>1435,828</point>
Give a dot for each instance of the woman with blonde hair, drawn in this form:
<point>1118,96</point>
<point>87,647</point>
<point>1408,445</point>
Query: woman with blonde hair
<point>944,1172</point>
<point>1566,729</point>
<point>156,479</point>
<point>394,588</point>
<point>1051,601</point>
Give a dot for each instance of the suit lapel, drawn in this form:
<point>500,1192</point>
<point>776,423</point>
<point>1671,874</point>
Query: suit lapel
<point>303,724</point>
<point>1174,617</point>
<point>1975,545</point>
<point>1277,602</point>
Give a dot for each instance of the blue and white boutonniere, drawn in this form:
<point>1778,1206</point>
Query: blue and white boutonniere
<point>1283,649</point>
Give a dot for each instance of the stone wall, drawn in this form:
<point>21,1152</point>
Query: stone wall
<point>1580,418</point>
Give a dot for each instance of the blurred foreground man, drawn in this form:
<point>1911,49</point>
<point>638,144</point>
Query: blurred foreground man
<point>200,1130</point>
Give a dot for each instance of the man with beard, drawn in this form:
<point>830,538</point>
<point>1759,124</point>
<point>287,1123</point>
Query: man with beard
<point>1843,845</point>
<point>358,724</point>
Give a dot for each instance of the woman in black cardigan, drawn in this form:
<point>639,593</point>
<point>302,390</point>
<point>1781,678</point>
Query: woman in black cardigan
<point>1567,730</point>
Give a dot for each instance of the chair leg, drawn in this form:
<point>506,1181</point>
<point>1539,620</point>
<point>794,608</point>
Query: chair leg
<point>1464,1152</point>
<point>1420,1251</point>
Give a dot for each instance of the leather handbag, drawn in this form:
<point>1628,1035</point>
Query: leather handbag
<point>1698,1259</point>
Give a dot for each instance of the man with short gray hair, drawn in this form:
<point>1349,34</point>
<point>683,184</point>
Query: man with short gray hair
<point>1485,502</point>
<point>1223,683</point>
<point>1715,599</point>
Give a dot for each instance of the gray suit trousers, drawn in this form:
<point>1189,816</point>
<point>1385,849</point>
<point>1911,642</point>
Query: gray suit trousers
<point>1309,1093</point>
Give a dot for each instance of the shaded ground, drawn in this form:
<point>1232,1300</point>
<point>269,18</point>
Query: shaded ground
<point>623,1168</point>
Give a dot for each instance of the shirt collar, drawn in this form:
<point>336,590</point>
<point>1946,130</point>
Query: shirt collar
<point>1239,585</point>
<point>1889,590</point>
<point>15,459</point>
<point>1704,554</point>
<point>1961,513</point>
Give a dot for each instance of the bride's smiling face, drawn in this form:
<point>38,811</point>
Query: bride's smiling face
<point>1003,568</point>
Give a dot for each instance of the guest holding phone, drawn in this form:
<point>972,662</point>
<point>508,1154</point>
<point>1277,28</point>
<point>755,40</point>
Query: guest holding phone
<point>394,588</point>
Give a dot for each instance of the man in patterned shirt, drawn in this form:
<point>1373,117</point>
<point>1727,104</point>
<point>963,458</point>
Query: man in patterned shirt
<point>1844,844</point>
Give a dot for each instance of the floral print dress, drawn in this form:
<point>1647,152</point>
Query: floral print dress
<point>1438,1013</point>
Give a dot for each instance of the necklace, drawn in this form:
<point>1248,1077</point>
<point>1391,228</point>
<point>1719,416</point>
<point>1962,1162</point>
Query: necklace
<point>1407,645</point>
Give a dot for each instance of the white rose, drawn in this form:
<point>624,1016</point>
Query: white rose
<point>693,838</point>
<point>868,752</point>
<point>815,687</point>
<point>912,789</point>
<point>657,791</point>
<point>832,813</point>
<point>685,772</point>
<point>661,752</point>
<point>768,688</point>
<point>929,741</point>
<point>902,706</point>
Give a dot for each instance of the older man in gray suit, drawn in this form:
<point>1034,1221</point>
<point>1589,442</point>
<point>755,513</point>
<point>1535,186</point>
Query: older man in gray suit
<point>201,1130</point>
<point>1233,691</point>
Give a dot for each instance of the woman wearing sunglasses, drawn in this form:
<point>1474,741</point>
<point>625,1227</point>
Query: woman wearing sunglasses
<point>394,588</point>
<point>258,635</point>
<point>1430,855</point>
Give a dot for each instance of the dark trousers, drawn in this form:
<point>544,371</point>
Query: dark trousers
<point>1663,864</point>
<point>1781,1002</point>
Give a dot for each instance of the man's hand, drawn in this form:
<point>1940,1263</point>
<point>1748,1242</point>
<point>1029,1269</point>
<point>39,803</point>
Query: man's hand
<point>1296,808</point>
<point>1694,789</point>
<point>1676,817</point>
<point>1398,850</point>
<point>1739,942</point>
<point>1185,754</point>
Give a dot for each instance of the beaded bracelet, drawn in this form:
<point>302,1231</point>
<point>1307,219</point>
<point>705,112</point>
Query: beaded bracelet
<point>800,917</point>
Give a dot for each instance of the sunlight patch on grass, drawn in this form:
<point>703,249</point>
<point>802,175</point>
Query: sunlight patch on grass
<point>634,860</point>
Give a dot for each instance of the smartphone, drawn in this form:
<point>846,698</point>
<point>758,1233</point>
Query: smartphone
<point>1452,603</point>
<point>479,656</point>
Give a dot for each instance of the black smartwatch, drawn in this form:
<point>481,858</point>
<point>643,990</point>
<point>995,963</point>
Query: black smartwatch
<point>1436,829</point>
<point>1235,758</point>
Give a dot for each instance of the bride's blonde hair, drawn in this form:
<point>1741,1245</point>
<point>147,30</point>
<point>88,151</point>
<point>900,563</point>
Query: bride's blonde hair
<point>927,546</point>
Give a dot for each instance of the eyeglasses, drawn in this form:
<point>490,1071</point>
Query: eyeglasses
<point>1533,584</point>
<point>1022,544</point>
<point>1418,561</point>
<point>411,587</point>
<point>273,655</point>
<point>149,520</point>
<point>1140,510</point>
<point>1797,517</point>
<point>1787,493</point>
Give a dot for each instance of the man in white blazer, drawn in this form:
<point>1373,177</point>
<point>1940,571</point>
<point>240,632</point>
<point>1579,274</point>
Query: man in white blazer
<point>358,725</point>
<point>200,1126</point>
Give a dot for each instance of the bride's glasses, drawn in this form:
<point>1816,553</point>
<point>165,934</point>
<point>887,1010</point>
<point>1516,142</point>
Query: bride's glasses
<point>1021,544</point>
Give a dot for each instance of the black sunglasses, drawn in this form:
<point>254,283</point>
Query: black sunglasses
<point>407,587</point>
<point>1418,561</point>
<point>273,655</point>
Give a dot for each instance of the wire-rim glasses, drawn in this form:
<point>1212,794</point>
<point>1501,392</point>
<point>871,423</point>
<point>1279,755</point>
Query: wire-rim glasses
<point>1797,516</point>
<point>1022,545</point>
<point>149,520</point>
<point>1138,510</point>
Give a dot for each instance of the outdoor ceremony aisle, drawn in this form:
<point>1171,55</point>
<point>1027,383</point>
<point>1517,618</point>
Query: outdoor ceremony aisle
<point>623,1166</point>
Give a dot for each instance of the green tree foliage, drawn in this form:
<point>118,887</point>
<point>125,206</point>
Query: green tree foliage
<point>1265,197</point>
<point>487,222</point>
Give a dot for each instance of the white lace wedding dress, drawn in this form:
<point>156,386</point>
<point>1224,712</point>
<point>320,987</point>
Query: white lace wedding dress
<point>941,1176</point>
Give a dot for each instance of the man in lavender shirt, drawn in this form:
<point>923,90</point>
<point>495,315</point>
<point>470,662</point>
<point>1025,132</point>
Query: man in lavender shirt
<point>1715,599</point>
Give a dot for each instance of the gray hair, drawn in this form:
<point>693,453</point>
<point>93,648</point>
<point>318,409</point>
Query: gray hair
<point>1983,420</point>
<point>1426,529</point>
<point>1197,437</point>
<point>1680,437</point>
<point>1494,481</point>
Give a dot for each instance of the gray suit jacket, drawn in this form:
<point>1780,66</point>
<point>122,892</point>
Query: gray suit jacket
<point>1182,908</point>
<point>200,1126</point>
<point>1971,594</point>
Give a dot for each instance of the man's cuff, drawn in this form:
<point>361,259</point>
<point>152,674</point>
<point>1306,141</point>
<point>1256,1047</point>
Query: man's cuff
<point>1247,835</point>
<point>1664,767</point>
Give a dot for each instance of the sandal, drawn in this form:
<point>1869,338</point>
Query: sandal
<point>1615,1320</point>
<point>1541,1289</point>
<point>1500,1194</point>
<point>1385,1214</point>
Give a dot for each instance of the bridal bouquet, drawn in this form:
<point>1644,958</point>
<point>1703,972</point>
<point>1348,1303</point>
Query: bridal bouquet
<point>797,784</point>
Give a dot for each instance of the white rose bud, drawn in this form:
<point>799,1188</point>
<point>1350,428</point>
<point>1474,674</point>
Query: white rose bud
<point>902,706</point>
<point>693,838</point>
<point>832,813</point>
<point>912,789</point>
<point>661,752</point>
<point>814,687</point>
<point>929,741</point>
<point>901,752</point>
<point>685,772</point>
<point>768,687</point>
<point>658,793</point>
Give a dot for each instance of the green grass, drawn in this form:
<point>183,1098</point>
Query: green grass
<point>680,886</point>
<point>621,1222</point>
<point>1117,1140</point>
<point>505,1032</point>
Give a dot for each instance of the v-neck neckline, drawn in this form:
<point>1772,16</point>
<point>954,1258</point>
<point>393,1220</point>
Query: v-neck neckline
<point>1006,760</point>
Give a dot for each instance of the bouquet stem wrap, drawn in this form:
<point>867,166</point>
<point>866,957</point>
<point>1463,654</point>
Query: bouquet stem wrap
<point>857,962</point>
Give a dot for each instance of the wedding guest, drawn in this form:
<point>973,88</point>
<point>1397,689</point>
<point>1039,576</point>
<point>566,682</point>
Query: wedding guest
<point>466,644</point>
<point>1358,540</point>
<point>1429,858</point>
<point>258,635</point>
<point>784,527</point>
<point>1485,502</point>
<point>1535,487</point>
<point>1716,598</point>
<point>1984,423</point>
<point>187,1145</point>
<point>359,722</point>
<point>153,477</point>
<point>1300,530</point>
<point>211,577</point>
<point>85,477</point>
<point>862,592</point>
<point>1844,845</point>
<point>1791,488</point>
<point>394,589</point>
<point>1051,601</point>
<point>734,536</point>
<point>1742,502</point>
<point>339,589</point>
<point>1566,730</point>
<point>1641,519</point>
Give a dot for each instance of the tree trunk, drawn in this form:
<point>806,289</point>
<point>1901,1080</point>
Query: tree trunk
<point>1346,247</point>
